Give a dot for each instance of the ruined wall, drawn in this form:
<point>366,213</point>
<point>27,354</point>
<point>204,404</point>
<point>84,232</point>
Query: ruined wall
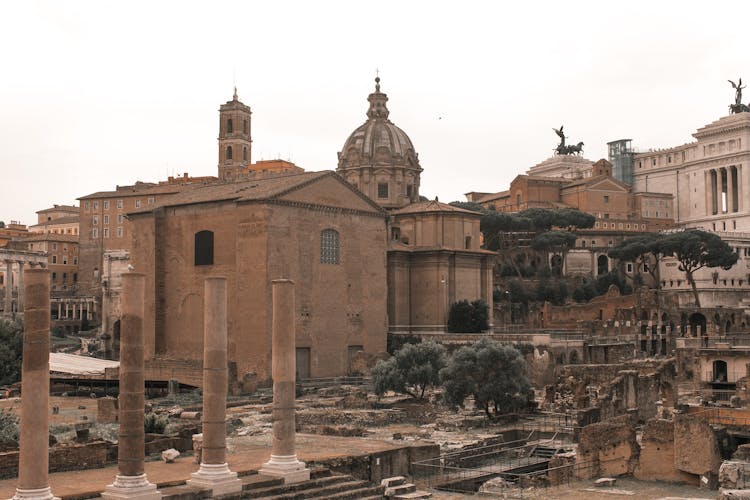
<point>604,306</point>
<point>657,458</point>
<point>637,393</point>
<point>607,449</point>
<point>696,449</point>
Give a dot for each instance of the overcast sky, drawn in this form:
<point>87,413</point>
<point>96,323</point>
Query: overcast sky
<point>96,94</point>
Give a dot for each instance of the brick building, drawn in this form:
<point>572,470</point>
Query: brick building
<point>313,228</point>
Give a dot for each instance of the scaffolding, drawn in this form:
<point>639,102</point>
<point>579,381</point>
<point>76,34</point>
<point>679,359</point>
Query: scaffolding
<point>621,154</point>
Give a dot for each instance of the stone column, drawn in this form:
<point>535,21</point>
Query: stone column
<point>59,310</point>
<point>730,190</point>
<point>214,472</point>
<point>33,463</point>
<point>131,481</point>
<point>8,288</point>
<point>19,304</point>
<point>719,206</point>
<point>283,462</point>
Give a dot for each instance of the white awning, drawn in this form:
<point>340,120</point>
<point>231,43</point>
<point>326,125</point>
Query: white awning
<point>79,365</point>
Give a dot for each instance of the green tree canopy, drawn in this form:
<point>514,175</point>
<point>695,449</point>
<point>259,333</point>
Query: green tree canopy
<point>695,249</point>
<point>554,241</point>
<point>492,373</point>
<point>638,249</point>
<point>11,348</point>
<point>533,219</point>
<point>411,370</point>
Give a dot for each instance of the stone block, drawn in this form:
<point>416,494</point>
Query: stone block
<point>733,494</point>
<point>607,448</point>
<point>169,455</point>
<point>696,449</point>
<point>657,461</point>
<point>106,410</point>
<point>605,482</point>
<point>734,475</point>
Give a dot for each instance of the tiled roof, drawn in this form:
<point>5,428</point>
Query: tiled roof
<point>59,208</point>
<point>73,238</point>
<point>249,190</point>
<point>431,206</point>
<point>60,220</point>
<point>137,190</point>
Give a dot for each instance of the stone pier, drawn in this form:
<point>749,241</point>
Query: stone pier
<point>283,462</point>
<point>214,472</point>
<point>131,481</point>
<point>33,466</point>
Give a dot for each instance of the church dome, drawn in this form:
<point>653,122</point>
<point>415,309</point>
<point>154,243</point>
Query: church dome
<point>378,140</point>
<point>380,150</point>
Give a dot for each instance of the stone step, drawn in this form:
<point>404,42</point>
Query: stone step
<point>358,494</point>
<point>401,489</point>
<point>291,491</point>
<point>184,492</point>
<point>258,481</point>
<point>348,490</point>
<point>414,494</point>
<point>393,481</point>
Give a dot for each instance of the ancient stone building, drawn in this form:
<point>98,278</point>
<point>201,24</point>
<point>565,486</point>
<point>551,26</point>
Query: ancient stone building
<point>379,158</point>
<point>572,182</point>
<point>235,138</point>
<point>434,260</point>
<point>313,228</point>
<point>709,179</point>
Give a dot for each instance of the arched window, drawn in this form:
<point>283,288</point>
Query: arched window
<point>229,152</point>
<point>244,153</point>
<point>230,127</point>
<point>204,248</point>
<point>329,246</point>
<point>244,126</point>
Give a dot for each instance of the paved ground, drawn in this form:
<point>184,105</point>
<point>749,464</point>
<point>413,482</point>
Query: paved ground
<point>246,453</point>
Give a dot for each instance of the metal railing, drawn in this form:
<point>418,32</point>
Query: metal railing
<point>723,416</point>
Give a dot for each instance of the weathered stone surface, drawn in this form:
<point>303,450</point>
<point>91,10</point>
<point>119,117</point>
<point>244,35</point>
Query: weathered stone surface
<point>604,482</point>
<point>734,475</point>
<point>169,455</point>
<point>657,454</point>
<point>733,494</point>
<point>560,469</point>
<point>696,449</point>
<point>607,448</point>
<point>106,410</point>
<point>742,453</point>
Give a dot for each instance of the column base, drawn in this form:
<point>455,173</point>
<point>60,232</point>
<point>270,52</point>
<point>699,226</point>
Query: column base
<point>34,494</point>
<point>216,477</point>
<point>131,487</point>
<point>286,467</point>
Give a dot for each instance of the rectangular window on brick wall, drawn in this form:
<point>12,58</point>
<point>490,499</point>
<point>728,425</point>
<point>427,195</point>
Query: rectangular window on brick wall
<point>382,190</point>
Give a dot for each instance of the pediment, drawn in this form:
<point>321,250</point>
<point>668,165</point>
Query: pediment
<point>330,191</point>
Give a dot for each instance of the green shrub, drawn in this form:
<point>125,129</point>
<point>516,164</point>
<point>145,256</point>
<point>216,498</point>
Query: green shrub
<point>155,423</point>
<point>466,317</point>
<point>411,370</point>
<point>8,428</point>
<point>494,374</point>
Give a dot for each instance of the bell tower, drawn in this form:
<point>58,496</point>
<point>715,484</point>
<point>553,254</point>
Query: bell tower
<point>235,140</point>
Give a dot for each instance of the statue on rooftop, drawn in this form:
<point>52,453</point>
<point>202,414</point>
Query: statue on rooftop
<point>562,148</point>
<point>738,107</point>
